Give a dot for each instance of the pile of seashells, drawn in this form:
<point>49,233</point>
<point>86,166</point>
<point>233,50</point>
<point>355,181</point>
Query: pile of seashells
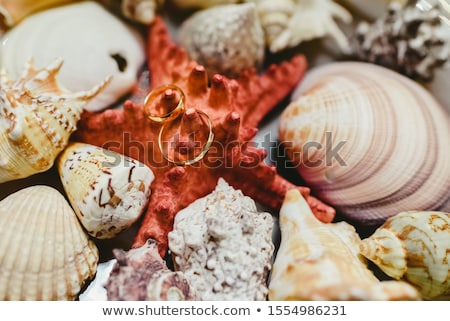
<point>383,104</point>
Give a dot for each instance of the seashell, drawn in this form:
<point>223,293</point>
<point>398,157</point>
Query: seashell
<point>201,4</point>
<point>37,117</point>
<point>44,252</point>
<point>11,12</point>
<point>371,9</point>
<point>414,246</point>
<point>287,23</point>
<point>141,274</point>
<point>93,47</point>
<point>107,190</point>
<point>319,261</point>
<point>142,11</point>
<point>223,245</point>
<point>369,141</point>
<point>225,39</point>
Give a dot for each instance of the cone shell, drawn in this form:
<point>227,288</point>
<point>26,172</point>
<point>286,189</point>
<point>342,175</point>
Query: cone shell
<point>369,141</point>
<point>44,252</point>
<point>107,190</point>
<point>318,261</point>
<point>37,117</point>
<point>414,246</point>
<point>225,39</point>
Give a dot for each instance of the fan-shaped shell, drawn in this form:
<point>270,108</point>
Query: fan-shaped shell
<point>93,43</point>
<point>369,141</point>
<point>44,252</point>
<point>107,190</point>
<point>414,246</point>
<point>37,117</point>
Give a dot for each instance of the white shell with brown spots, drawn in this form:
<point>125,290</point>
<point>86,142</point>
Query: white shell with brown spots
<point>414,246</point>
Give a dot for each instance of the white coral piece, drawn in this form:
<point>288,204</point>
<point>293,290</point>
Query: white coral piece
<point>224,246</point>
<point>287,23</point>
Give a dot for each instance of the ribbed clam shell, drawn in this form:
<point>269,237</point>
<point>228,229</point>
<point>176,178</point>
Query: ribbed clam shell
<point>225,39</point>
<point>93,43</point>
<point>318,261</point>
<point>37,117</point>
<point>414,246</point>
<point>107,190</point>
<point>44,252</point>
<point>369,141</point>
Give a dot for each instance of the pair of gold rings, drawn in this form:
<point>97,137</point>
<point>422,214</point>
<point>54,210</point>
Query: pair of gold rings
<point>166,105</point>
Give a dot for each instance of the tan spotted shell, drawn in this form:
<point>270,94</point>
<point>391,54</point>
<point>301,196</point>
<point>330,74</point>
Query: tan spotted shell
<point>414,246</point>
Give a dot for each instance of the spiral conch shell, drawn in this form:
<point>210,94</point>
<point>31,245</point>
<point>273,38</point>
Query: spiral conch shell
<point>37,117</point>
<point>369,141</point>
<point>44,252</point>
<point>414,246</point>
<point>107,190</point>
<point>318,261</point>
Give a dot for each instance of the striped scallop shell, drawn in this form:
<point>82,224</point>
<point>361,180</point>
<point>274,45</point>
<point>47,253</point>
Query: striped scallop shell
<point>414,246</point>
<point>369,141</point>
<point>107,190</point>
<point>44,252</point>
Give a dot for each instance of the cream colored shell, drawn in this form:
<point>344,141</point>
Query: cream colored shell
<point>318,261</point>
<point>142,11</point>
<point>369,141</point>
<point>37,117</point>
<point>225,39</point>
<point>93,43</point>
<point>414,246</point>
<point>44,252</point>
<point>107,190</point>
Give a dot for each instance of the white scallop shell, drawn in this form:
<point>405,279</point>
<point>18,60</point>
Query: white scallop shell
<point>93,43</point>
<point>414,246</point>
<point>107,190</point>
<point>37,117</point>
<point>44,252</point>
<point>369,141</point>
<point>318,261</point>
<point>225,39</point>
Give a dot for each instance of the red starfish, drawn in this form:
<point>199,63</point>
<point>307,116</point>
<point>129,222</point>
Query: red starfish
<point>235,108</point>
